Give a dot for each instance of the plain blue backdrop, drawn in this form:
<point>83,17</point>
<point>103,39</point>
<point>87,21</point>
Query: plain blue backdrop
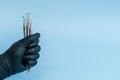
<point>80,39</point>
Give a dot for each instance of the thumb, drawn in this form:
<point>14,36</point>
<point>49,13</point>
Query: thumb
<point>29,39</point>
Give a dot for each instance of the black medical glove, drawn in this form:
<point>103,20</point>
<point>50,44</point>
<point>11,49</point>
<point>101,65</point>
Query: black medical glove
<point>19,55</point>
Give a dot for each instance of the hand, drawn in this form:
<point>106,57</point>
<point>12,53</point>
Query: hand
<point>19,55</point>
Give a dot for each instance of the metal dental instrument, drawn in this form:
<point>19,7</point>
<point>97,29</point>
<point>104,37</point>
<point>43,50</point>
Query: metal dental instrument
<point>27,31</point>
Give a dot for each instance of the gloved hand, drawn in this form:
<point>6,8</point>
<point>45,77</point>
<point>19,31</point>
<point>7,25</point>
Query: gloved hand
<point>19,55</point>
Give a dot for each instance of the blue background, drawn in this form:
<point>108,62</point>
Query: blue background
<point>80,39</point>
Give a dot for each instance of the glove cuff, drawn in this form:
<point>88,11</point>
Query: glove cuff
<point>4,69</point>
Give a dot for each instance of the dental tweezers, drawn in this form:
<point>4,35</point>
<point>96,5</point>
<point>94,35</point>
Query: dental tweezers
<point>27,25</point>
